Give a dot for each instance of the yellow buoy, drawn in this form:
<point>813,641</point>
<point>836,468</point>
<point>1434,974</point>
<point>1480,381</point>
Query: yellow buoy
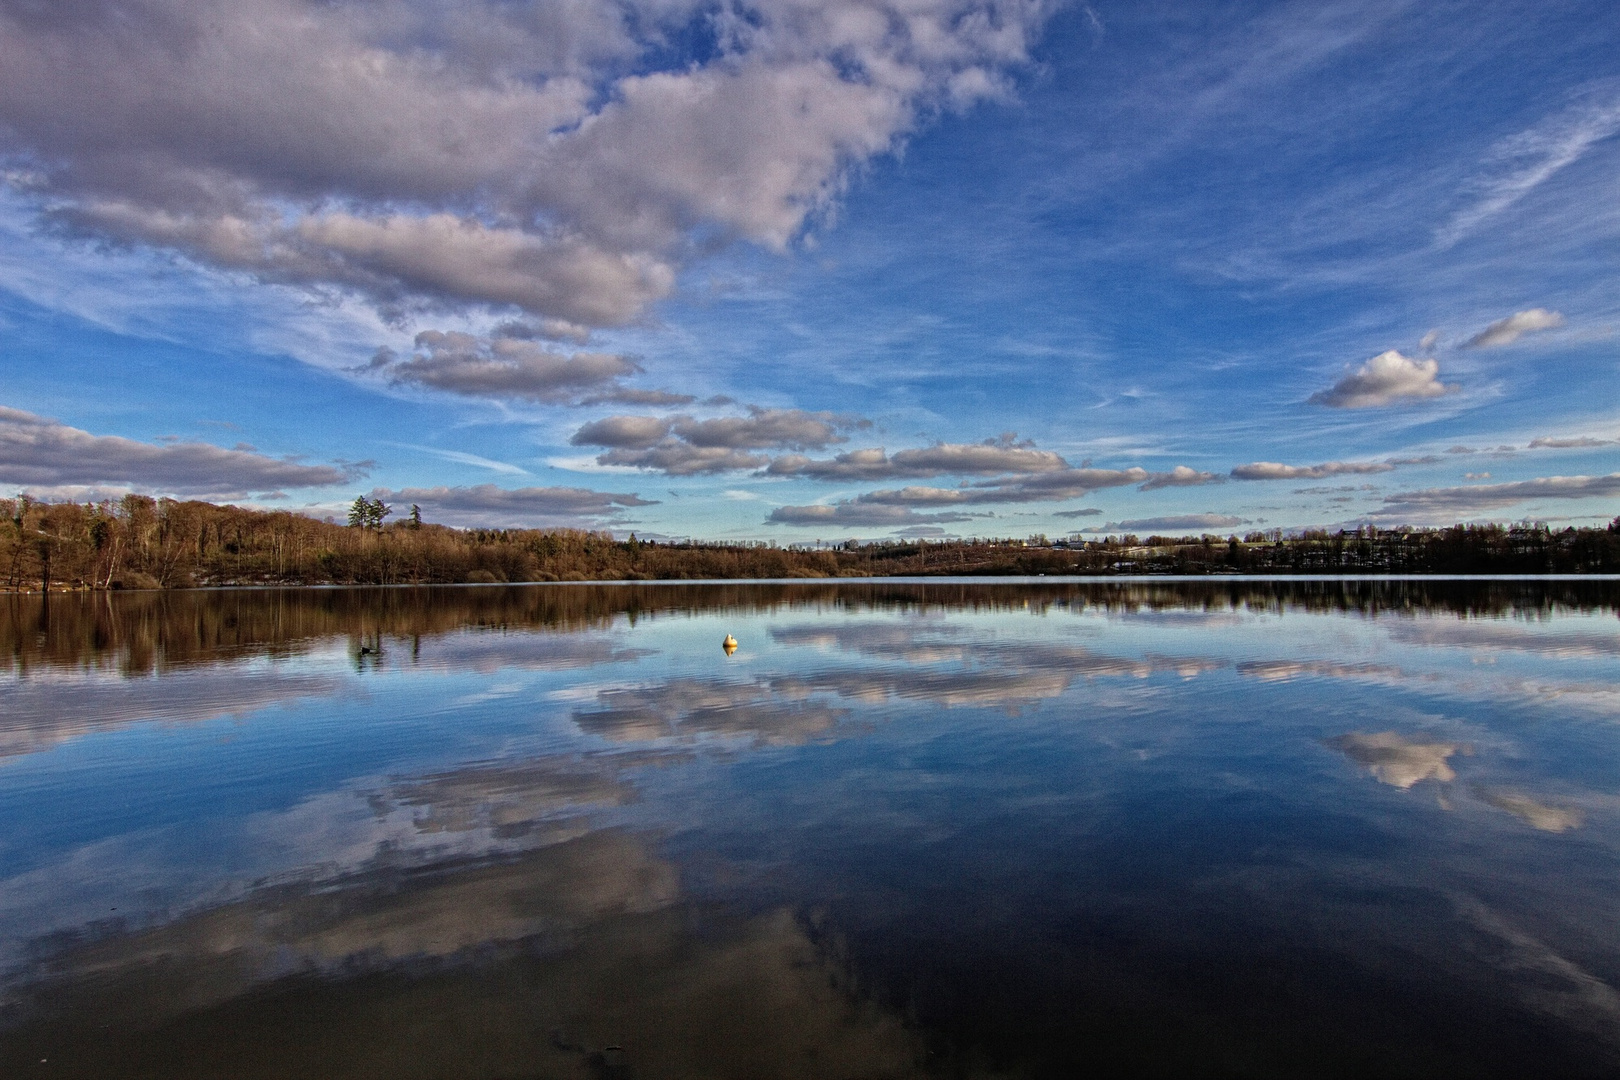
<point>730,644</point>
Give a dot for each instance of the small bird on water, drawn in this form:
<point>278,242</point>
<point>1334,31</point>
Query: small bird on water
<point>730,644</point>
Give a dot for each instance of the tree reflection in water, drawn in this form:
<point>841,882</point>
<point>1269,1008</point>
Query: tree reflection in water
<point>945,828</point>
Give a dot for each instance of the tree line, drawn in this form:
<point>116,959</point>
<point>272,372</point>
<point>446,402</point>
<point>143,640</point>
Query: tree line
<point>143,543</point>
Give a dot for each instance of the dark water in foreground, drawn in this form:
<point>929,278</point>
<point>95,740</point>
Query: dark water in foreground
<point>1230,828</point>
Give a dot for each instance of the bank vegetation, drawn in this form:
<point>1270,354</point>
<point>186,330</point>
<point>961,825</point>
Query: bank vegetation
<point>143,543</point>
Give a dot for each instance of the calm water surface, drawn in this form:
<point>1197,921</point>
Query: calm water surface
<point>955,829</point>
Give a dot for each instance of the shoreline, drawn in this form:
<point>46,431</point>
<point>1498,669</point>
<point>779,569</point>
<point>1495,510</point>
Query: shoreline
<point>900,579</point>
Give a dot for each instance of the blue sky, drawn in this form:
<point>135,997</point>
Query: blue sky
<point>799,271</point>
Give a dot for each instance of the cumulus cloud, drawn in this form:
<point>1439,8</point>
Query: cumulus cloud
<point>684,445</point>
<point>532,507</point>
<point>859,515</point>
<point>1271,470</point>
<point>1182,476</point>
<point>869,464</point>
<point>561,158</point>
<point>999,455</point>
<point>1385,379</point>
<point>1573,443</point>
<point>1059,485</point>
<point>1324,490</point>
<point>678,458</point>
<point>513,368</point>
<point>629,395</point>
<point>892,506</point>
<point>622,432</point>
<point>1041,487</point>
<point>1507,331</point>
<point>768,428</point>
<point>1454,502</point>
<point>916,496</point>
<point>1020,472</point>
<point>36,452</point>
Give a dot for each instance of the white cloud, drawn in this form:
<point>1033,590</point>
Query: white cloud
<point>508,368</point>
<point>533,507</point>
<point>1058,485</point>
<point>39,453</point>
<point>623,432</point>
<point>1021,472</point>
<point>1182,476</point>
<point>1271,470</point>
<point>479,153</point>
<point>768,428</point>
<point>1454,502</point>
<point>684,445</point>
<point>1507,331</point>
<point>1041,487</point>
<point>916,496</point>
<point>899,505</point>
<point>1575,442</point>
<point>1385,379</point>
<point>859,515</point>
<point>999,455</point>
<point>1518,165</point>
<point>679,458</point>
<point>1178,523</point>
<point>462,458</point>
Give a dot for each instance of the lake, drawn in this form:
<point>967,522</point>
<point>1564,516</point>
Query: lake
<point>969,829</point>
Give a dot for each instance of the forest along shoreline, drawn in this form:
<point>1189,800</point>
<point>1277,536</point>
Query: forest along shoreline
<point>143,543</point>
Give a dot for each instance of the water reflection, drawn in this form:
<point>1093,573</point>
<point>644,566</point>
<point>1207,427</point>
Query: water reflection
<point>968,829</point>
<point>1396,760</point>
<point>508,800</point>
<point>567,961</point>
<point>686,709</point>
<point>1536,815</point>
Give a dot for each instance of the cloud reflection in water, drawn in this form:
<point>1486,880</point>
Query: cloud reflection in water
<point>543,823</point>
